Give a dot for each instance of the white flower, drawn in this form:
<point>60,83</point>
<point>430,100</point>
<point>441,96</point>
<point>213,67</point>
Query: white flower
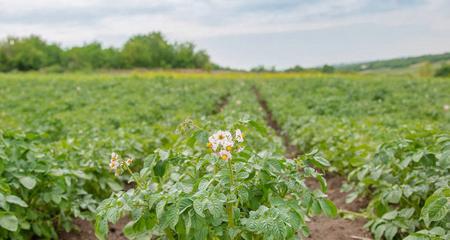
<point>222,137</point>
<point>240,149</point>
<point>446,107</point>
<point>239,136</point>
<point>113,165</point>
<point>114,156</point>
<point>129,161</point>
<point>212,143</point>
<point>225,155</point>
<point>238,102</point>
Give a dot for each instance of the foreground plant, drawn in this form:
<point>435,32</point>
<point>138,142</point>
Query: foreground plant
<point>228,192</point>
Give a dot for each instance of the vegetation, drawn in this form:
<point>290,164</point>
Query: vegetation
<point>393,147</point>
<point>142,51</point>
<point>230,192</point>
<point>394,63</point>
<point>173,176</point>
<point>444,71</point>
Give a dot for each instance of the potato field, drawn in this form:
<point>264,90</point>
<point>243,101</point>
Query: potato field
<point>224,155</point>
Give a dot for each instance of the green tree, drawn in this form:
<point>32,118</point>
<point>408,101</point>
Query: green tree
<point>88,56</point>
<point>327,69</point>
<point>148,51</point>
<point>141,51</point>
<point>29,53</point>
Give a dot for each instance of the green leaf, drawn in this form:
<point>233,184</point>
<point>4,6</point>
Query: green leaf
<point>319,161</point>
<point>114,186</point>
<point>9,222</point>
<point>323,183</point>
<point>416,236</point>
<point>437,231</point>
<point>390,215</point>
<point>28,182</point>
<point>406,212</point>
<point>163,155</point>
<point>160,208</point>
<point>215,207</point>
<point>16,200</point>
<point>184,204</point>
<point>169,217</point>
<point>141,226</point>
<point>199,206</point>
<point>394,196</point>
<point>390,232</point>
<point>258,127</point>
<point>379,231</point>
<point>101,227</point>
<point>435,210</point>
<point>328,207</point>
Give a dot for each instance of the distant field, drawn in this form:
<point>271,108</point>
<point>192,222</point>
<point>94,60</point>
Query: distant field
<point>399,63</point>
<point>386,137</point>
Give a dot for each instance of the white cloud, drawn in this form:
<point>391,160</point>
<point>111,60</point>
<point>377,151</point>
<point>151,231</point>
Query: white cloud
<point>112,22</point>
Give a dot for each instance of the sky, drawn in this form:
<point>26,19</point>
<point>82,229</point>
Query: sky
<point>246,33</point>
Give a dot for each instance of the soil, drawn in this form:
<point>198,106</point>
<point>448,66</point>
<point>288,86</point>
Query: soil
<point>85,231</point>
<point>220,105</point>
<point>322,227</point>
<point>291,150</point>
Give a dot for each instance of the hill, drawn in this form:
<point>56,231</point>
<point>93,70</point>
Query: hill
<point>436,60</point>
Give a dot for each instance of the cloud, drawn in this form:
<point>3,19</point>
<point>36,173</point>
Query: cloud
<point>113,21</point>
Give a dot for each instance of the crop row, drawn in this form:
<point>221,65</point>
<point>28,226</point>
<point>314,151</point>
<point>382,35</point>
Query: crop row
<point>389,136</point>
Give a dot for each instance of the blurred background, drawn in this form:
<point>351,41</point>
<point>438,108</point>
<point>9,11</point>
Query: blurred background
<point>234,34</point>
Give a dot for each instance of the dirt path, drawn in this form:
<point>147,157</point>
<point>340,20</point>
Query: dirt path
<point>85,231</point>
<point>220,105</point>
<point>291,150</point>
<point>322,227</point>
<point>338,228</point>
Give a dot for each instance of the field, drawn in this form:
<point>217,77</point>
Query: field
<point>332,156</point>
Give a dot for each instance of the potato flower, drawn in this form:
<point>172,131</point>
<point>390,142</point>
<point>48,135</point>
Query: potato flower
<point>223,144</point>
<point>118,165</point>
<point>239,136</point>
<point>225,155</point>
<point>129,161</point>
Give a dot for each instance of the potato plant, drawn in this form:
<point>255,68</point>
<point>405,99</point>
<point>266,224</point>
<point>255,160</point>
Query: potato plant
<point>222,191</point>
<point>38,191</point>
<point>408,182</point>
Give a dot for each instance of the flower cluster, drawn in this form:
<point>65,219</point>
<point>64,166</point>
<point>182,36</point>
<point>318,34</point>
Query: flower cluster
<point>223,143</point>
<point>117,164</point>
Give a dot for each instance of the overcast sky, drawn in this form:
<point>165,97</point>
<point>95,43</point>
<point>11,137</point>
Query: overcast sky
<point>246,33</point>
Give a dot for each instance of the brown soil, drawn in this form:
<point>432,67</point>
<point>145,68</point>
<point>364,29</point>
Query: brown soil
<point>322,227</point>
<point>291,150</point>
<point>85,231</point>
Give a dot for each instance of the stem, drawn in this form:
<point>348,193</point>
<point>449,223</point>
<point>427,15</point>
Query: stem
<point>357,214</point>
<point>169,234</point>
<point>135,178</point>
<point>230,205</point>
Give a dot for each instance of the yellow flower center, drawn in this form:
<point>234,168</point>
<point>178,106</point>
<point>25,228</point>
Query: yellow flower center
<point>229,148</point>
<point>224,157</point>
<point>209,145</point>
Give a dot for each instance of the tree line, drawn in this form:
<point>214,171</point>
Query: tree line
<point>141,51</point>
